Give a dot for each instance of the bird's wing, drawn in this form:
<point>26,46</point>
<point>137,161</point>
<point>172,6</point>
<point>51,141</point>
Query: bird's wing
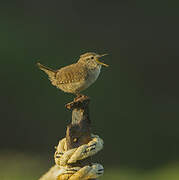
<point>71,73</point>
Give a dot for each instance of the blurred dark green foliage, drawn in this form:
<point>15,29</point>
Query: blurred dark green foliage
<point>135,101</point>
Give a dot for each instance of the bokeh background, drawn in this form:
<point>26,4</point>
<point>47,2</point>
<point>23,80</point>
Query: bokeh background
<point>135,101</point>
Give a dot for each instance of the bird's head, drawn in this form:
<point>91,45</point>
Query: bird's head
<point>91,59</point>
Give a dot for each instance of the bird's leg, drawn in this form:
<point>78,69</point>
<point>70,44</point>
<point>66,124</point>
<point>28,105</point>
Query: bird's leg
<point>78,101</point>
<point>78,96</point>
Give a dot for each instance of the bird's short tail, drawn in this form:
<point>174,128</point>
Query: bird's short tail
<point>51,73</point>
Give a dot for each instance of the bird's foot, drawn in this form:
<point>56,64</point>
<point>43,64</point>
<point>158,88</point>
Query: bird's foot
<point>80,97</point>
<point>80,101</point>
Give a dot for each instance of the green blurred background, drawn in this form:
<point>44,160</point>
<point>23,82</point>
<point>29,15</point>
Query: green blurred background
<point>135,101</point>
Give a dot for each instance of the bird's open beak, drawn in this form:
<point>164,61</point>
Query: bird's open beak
<point>97,60</point>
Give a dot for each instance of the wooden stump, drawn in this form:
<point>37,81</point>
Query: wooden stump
<point>79,131</point>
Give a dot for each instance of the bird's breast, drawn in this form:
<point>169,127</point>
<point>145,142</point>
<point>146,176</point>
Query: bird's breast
<point>93,74</point>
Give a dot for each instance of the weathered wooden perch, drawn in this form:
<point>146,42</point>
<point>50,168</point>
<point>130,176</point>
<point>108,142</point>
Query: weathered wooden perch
<point>78,133</point>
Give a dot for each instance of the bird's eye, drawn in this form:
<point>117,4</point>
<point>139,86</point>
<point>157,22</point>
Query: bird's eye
<point>92,57</point>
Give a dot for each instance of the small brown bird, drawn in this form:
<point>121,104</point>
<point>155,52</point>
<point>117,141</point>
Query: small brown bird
<point>76,77</point>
